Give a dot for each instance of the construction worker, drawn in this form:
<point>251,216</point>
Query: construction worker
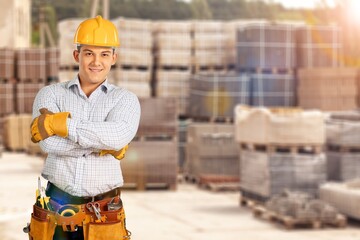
<point>85,126</point>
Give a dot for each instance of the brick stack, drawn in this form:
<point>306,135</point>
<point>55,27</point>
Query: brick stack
<point>210,46</point>
<point>280,149</point>
<point>133,69</point>
<point>343,146</point>
<point>173,48</point>
<point>318,46</point>
<point>31,75</point>
<point>7,81</point>
<point>267,53</point>
<point>23,73</point>
<point>52,64</point>
<point>211,152</point>
<point>7,86</point>
<point>152,160</point>
<point>328,89</point>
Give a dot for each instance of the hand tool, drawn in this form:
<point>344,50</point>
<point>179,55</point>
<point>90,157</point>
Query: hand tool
<point>94,207</point>
<point>111,206</point>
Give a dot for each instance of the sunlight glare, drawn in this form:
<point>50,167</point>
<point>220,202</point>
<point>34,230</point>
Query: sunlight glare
<point>353,10</point>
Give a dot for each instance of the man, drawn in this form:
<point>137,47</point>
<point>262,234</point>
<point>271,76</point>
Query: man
<point>85,126</point>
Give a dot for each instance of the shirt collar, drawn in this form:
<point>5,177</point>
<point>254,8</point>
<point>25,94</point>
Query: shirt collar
<point>105,86</point>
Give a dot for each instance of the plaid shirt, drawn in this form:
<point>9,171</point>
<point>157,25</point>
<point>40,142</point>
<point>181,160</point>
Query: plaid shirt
<point>107,119</point>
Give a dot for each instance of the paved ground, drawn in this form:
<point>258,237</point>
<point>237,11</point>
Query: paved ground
<point>187,213</point>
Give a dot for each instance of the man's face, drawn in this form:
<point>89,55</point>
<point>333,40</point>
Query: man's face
<point>94,63</point>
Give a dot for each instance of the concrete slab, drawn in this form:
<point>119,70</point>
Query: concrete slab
<point>186,213</point>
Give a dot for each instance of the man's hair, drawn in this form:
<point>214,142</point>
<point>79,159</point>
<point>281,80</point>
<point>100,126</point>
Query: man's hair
<point>78,47</point>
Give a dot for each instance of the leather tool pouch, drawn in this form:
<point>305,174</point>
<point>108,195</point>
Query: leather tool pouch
<point>42,225</point>
<point>70,223</point>
<point>113,228</point>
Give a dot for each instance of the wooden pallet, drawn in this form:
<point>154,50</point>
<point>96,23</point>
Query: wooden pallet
<point>32,80</point>
<point>219,182</point>
<point>290,222</point>
<point>248,202</point>
<point>219,187</point>
<point>144,68</point>
<point>7,80</point>
<point>283,148</point>
<point>175,67</point>
<point>212,68</point>
<point>343,149</point>
<point>164,137</point>
<point>190,178</point>
<point>213,119</point>
<point>273,70</point>
<point>69,67</point>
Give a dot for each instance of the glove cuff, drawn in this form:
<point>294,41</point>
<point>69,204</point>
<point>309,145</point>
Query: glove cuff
<point>59,124</point>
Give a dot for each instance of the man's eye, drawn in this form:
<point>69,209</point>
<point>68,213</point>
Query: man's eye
<point>88,54</point>
<point>106,54</point>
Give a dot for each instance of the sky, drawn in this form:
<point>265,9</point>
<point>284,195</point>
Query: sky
<point>300,3</point>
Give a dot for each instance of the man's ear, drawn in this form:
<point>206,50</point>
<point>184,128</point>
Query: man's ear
<point>76,55</point>
<point>115,56</point>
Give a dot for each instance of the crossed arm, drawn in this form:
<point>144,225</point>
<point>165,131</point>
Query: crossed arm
<point>84,136</point>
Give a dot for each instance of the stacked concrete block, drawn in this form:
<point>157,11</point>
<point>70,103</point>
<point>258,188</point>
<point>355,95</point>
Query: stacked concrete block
<point>328,89</point>
<point>211,150</point>
<point>343,146</point>
<point>68,67</point>
<point>265,46</point>
<point>214,95</point>
<point>15,27</point>
<point>231,32</point>
<point>265,173</point>
<point>152,158</point>
<point>182,131</point>
<point>267,53</point>
<point>66,29</point>
<point>273,89</point>
<point>280,149</point>
<point>210,49</point>
<point>173,48</point>
<point>133,69</point>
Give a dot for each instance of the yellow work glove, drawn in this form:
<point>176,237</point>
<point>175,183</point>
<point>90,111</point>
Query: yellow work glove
<point>49,124</point>
<point>117,154</point>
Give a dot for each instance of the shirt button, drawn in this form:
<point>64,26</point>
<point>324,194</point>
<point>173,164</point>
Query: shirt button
<point>84,155</point>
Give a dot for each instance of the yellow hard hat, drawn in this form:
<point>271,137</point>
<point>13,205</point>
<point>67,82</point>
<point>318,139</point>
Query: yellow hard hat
<point>97,32</point>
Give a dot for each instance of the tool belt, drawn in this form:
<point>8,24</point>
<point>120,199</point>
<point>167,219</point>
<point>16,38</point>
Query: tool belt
<point>101,220</point>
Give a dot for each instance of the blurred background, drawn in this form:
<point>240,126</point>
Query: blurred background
<point>248,108</point>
